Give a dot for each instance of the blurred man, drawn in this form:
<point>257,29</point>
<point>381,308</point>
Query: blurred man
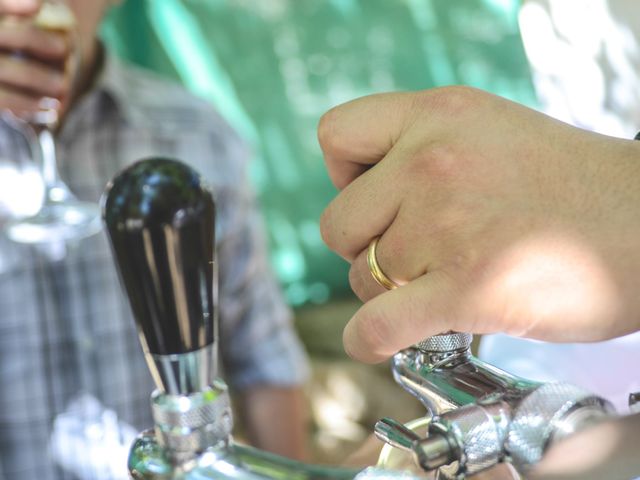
<point>73,382</point>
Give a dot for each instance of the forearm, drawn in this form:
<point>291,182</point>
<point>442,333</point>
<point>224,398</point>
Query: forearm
<point>276,419</point>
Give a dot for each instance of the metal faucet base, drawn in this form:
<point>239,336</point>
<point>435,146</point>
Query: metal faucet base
<point>148,460</point>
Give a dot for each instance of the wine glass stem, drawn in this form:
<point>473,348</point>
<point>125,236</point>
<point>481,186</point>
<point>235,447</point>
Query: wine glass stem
<point>48,152</point>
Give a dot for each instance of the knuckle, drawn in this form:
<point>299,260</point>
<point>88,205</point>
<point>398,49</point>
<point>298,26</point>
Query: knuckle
<point>456,100</point>
<point>434,163</point>
<point>467,266</point>
<point>335,231</point>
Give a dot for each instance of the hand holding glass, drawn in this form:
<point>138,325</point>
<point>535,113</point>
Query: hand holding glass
<point>62,217</point>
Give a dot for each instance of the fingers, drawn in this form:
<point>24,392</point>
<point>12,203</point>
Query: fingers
<point>355,137</point>
<point>19,7</point>
<point>402,317</point>
<point>362,281</point>
<point>26,76</point>
<point>358,134</point>
<point>20,104</point>
<point>31,66</point>
<point>405,251</point>
<point>33,42</point>
<point>410,247</point>
<point>363,210</point>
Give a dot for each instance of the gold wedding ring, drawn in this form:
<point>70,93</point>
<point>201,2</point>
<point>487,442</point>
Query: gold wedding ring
<point>376,272</point>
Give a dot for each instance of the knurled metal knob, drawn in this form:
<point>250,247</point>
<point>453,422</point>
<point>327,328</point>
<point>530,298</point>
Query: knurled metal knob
<point>449,342</point>
<point>545,413</point>
<point>188,424</point>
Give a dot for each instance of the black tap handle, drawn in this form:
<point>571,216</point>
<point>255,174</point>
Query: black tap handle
<point>160,219</point>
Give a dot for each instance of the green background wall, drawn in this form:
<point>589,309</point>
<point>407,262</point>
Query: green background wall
<point>272,67</point>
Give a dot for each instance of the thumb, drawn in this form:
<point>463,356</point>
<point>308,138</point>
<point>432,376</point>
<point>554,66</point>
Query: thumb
<point>402,317</point>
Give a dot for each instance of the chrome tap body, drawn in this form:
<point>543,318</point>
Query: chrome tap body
<point>482,415</point>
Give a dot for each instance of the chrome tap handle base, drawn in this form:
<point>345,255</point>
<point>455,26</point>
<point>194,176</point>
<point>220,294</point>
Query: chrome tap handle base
<point>191,441</point>
<point>186,425</point>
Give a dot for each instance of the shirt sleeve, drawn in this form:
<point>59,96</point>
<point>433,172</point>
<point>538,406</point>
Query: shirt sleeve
<point>259,345</point>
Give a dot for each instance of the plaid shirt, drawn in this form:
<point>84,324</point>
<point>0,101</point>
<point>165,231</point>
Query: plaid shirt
<point>66,333</point>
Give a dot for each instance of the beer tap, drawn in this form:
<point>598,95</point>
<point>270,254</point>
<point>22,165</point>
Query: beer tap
<point>160,221</point>
<point>481,415</point>
<point>160,217</point>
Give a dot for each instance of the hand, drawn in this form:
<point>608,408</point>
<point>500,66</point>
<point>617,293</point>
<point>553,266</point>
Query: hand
<point>31,59</point>
<point>606,450</point>
<point>491,216</point>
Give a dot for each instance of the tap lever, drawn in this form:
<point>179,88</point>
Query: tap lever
<point>160,220</point>
<point>430,453</point>
<point>395,434</point>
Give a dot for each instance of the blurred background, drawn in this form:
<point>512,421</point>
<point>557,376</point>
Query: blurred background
<point>272,67</point>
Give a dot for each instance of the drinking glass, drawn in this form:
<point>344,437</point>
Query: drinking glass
<point>61,217</point>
